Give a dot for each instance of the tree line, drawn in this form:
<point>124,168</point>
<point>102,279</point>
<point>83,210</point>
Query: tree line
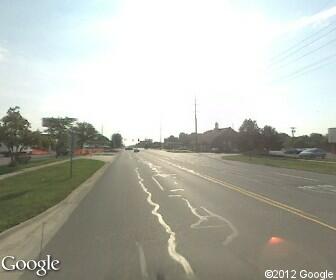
<point>249,137</point>
<point>16,134</point>
<point>252,137</point>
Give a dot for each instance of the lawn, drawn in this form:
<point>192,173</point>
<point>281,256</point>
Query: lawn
<point>4,169</point>
<point>26,195</point>
<point>314,166</point>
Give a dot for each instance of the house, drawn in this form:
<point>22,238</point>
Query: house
<point>214,140</point>
<point>172,143</point>
<point>218,139</point>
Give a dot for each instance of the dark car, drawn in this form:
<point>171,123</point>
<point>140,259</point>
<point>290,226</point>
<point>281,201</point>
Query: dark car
<point>136,150</point>
<point>293,151</point>
<point>313,153</point>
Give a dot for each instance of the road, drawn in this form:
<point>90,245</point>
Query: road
<point>159,215</point>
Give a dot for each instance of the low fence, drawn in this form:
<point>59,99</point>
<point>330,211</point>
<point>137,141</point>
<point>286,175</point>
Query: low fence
<point>88,151</point>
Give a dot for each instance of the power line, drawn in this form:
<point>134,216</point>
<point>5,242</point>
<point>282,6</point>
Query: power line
<point>306,54</point>
<point>277,57</point>
<point>302,73</point>
<point>296,50</point>
<point>310,67</point>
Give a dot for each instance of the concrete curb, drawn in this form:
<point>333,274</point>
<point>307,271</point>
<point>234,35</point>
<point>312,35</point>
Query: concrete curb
<point>26,240</point>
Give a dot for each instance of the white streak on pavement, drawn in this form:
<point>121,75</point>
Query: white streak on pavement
<point>158,183</point>
<point>234,233</point>
<point>172,235</point>
<point>174,195</point>
<point>142,259</point>
<point>203,218</point>
<point>298,177</point>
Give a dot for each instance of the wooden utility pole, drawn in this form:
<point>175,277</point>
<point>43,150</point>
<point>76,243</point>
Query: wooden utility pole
<point>196,136</point>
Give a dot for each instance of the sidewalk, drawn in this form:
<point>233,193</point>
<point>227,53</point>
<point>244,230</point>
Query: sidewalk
<point>106,158</point>
<point>4,176</point>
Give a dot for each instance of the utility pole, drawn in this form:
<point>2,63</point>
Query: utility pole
<point>196,136</point>
<point>161,134</point>
<point>293,129</point>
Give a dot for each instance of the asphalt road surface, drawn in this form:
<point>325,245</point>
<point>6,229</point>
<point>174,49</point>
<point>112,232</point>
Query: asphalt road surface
<point>159,215</point>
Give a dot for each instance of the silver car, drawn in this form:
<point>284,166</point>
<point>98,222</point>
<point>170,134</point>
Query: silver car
<point>313,153</point>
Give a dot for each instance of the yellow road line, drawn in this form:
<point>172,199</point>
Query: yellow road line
<point>258,197</point>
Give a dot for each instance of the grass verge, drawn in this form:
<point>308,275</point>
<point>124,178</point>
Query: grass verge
<point>179,151</point>
<point>26,195</point>
<point>314,166</point>
<point>5,169</point>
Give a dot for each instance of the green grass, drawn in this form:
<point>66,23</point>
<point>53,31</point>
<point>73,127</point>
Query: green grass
<point>26,195</point>
<point>319,167</point>
<point>4,169</point>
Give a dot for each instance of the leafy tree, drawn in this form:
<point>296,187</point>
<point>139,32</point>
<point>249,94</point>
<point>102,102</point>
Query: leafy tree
<point>101,140</point>
<point>314,140</point>
<point>15,132</point>
<point>249,136</point>
<point>86,133</point>
<point>58,129</point>
<point>317,140</point>
<point>226,141</point>
<point>270,138</point>
<point>284,140</point>
<point>41,140</point>
<point>116,140</point>
<point>301,141</point>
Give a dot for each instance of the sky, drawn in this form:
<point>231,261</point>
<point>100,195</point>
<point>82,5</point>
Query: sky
<point>135,66</point>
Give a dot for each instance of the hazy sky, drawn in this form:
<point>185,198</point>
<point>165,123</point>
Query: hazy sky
<point>129,65</point>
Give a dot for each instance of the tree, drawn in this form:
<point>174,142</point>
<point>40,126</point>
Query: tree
<point>58,129</point>
<point>314,140</point>
<point>270,138</point>
<point>101,140</point>
<point>249,136</point>
<point>15,132</point>
<point>116,140</point>
<point>301,141</point>
<point>317,140</point>
<point>226,141</point>
<point>86,133</point>
<point>40,140</point>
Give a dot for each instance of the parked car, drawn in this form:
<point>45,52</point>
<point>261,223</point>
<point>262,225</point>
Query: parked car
<point>136,150</point>
<point>293,151</point>
<point>313,153</point>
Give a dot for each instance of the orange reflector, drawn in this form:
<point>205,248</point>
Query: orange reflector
<point>275,240</point>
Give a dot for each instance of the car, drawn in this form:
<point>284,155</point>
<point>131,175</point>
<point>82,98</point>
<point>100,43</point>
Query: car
<point>128,148</point>
<point>313,153</point>
<point>293,151</point>
<point>136,150</point>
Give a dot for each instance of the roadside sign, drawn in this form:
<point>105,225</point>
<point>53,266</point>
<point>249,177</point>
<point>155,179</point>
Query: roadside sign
<point>72,140</point>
